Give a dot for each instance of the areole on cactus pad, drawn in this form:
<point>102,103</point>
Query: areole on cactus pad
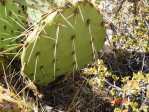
<point>13,20</point>
<point>64,41</point>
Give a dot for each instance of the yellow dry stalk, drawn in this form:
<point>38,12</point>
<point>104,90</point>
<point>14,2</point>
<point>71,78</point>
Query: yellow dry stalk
<point>10,102</point>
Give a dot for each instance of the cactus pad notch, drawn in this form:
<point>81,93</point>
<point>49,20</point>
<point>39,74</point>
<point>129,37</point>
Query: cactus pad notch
<point>68,40</point>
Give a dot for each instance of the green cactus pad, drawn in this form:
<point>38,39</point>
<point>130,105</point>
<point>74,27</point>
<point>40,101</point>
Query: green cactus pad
<point>12,22</point>
<point>65,41</point>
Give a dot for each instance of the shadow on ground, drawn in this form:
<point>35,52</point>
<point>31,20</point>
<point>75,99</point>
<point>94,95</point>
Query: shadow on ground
<point>74,95</point>
<point>122,62</point>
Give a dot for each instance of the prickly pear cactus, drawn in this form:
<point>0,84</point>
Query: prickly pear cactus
<point>12,22</point>
<point>65,41</point>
